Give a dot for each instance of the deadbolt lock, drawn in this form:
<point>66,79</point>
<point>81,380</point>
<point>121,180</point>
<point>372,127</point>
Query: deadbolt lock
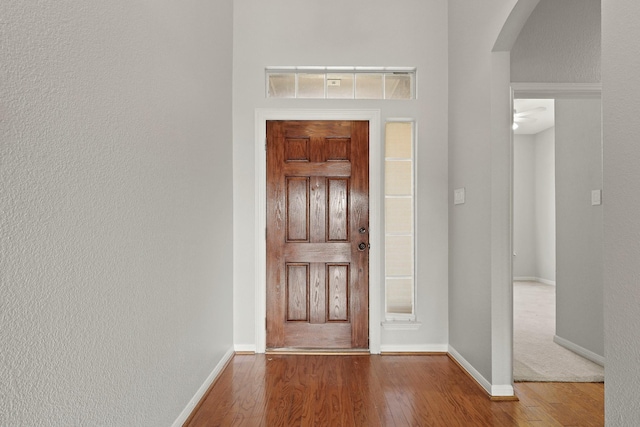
<point>362,246</point>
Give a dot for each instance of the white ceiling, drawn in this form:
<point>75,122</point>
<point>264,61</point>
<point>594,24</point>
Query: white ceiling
<point>540,120</point>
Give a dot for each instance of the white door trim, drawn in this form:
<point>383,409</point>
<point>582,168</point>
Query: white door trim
<point>502,204</point>
<point>375,188</point>
<point>556,90</point>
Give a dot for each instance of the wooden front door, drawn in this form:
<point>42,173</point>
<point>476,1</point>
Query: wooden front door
<point>318,234</point>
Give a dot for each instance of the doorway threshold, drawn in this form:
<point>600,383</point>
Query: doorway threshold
<point>318,351</point>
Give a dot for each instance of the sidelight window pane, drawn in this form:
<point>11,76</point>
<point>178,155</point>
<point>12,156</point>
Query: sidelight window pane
<point>398,143</point>
<point>399,295</point>
<point>398,215</point>
<point>398,177</point>
<point>399,259</point>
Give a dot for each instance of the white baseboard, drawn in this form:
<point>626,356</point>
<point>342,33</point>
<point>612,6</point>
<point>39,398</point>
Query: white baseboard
<point>470,369</point>
<point>534,279</point>
<point>245,348</point>
<point>587,354</point>
<point>184,415</point>
<point>414,348</point>
<point>495,390</point>
<point>504,390</point>
<point>525,279</point>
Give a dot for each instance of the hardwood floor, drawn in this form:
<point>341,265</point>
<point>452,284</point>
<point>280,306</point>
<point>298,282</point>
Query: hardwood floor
<point>320,390</point>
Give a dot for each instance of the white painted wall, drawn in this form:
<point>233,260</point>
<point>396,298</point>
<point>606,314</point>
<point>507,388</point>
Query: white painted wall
<point>335,32</point>
<point>579,306</point>
<point>559,43</point>
<point>545,205</point>
<point>524,207</point>
<point>534,222</point>
<point>473,31</point>
<point>579,238</point>
<point>115,261</point>
<point>621,100</point>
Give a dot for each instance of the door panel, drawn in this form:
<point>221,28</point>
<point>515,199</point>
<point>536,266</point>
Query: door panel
<point>297,213</point>
<point>297,291</point>
<point>338,212</point>
<point>317,203</point>
<point>338,292</point>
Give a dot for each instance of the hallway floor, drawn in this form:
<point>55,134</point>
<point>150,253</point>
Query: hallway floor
<point>536,357</point>
<point>429,390</point>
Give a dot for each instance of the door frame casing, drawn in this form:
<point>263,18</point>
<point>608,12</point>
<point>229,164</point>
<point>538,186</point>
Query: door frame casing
<point>501,383</point>
<point>262,115</point>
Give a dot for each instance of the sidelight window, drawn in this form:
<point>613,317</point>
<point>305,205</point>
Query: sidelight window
<point>399,205</point>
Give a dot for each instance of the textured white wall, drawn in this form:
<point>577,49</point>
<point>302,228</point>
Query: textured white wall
<point>358,33</point>
<point>524,238</point>
<point>545,205</point>
<point>115,256</point>
<point>620,103</point>
<point>559,43</point>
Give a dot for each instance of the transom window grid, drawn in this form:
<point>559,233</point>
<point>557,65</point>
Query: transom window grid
<point>341,83</point>
<point>400,216</point>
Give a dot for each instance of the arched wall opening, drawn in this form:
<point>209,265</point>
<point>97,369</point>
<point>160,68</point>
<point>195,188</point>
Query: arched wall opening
<point>502,94</point>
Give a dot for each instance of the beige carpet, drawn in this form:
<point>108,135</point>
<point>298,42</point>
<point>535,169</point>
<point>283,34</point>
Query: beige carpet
<point>535,356</point>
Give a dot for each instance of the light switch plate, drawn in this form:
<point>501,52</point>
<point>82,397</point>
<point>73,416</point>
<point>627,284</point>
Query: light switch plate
<point>596,197</point>
<point>458,196</point>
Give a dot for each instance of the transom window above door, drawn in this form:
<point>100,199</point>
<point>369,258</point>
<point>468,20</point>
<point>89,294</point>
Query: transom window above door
<point>341,82</point>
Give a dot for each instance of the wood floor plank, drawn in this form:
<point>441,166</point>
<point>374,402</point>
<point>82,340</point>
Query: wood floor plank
<point>251,399</point>
<point>363,410</point>
<point>564,402</point>
<point>357,390</point>
<point>373,392</point>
